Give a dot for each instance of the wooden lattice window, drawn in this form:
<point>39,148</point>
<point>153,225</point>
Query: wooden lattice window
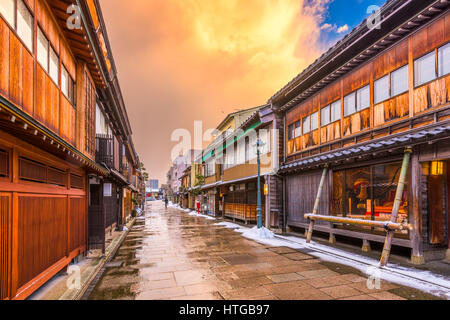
<point>76,181</point>
<point>57,176</point>
<point>4,163</point>
<point>90,117</point>
<point>30,170</point>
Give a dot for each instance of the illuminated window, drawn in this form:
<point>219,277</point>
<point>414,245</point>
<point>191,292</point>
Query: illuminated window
<point>42,50</point>
<point>315,121</point>
<point>54,66</point>
<point>306,125</point>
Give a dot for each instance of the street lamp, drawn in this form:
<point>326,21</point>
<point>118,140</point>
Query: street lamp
<point>259,143</point>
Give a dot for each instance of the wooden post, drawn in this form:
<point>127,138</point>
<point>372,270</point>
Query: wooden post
<point>415,233</point>
<point>316,204</point>
<point>398,201</point>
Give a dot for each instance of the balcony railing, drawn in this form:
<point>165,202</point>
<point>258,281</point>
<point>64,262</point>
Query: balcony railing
<point>104,152</point>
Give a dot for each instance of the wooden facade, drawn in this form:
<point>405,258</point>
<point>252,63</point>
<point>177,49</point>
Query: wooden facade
<point>371,98</point>
<point>51,78</point>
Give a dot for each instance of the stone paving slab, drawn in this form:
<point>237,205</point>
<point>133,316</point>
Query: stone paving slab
<point>173,256</point>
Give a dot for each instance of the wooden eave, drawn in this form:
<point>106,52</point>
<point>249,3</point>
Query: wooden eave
<point>23,125</point>
<point>77,39</point>
<point>318,75</point>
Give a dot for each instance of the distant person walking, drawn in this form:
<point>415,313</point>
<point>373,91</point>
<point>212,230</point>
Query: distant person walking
<point>166,201</point>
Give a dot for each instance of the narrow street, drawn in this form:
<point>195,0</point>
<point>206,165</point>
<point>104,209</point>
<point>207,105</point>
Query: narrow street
<point>169,254</point>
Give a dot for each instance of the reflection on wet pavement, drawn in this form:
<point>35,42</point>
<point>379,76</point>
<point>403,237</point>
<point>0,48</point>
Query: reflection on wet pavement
<point>171,255</point>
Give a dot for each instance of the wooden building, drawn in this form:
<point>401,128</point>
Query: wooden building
<point>376,94</point>
<point>51,77</point>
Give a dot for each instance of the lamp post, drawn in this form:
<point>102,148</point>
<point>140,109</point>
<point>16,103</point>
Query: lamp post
<point>259,144</point>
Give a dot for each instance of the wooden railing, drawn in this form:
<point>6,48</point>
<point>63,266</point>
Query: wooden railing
<point>244,212</point>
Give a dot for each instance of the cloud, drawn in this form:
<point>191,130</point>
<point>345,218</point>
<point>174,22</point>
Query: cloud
<point>181,61</point>
<point>342,29</point>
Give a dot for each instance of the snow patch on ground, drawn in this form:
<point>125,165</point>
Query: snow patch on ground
<point>434,284</point>
<point>195,214</point>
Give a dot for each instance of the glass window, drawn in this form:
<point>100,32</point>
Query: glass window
<point>363,98</point>
<point>315,121</point>
<point>25,25</point>
<point>54,66</point>
<point>241,151</point>
<point>42,50</point>
<point>325,116</point>
<point>381,90</point>
<point>298,131</point>
<point>399,81</point>
<point>350,104</point>
<point>7,11</point>
<point>444,60</point>
<point>336,111</point>
<point>291,131</point>
<point>65,82</point>
<point>424,69</point>
<point>306,125</point>
<point>368,193</point>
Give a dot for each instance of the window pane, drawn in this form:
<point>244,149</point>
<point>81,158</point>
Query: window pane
<point>25,25</point>
<point>241,151</point>
<point>42,50</point>
<point>399,81</point>
<point>325,116</point>
<point>315,121</point>
<point>291,132</point>
<point>336,111</point>
<point>298,131</point>
<point>424,69</point>
<point>363,98</point>
<point>444,60</point>
<point>7,11</point>
<point>349,104</point>
<point>306,125</point>
<point>381,90</point>
<point>65,82</point>
<point>54,66</point>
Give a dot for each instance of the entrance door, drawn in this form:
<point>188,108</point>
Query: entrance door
<point>97,218</point>
<point>436,208</point>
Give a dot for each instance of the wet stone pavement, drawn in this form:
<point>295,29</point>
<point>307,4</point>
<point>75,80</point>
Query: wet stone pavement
<point>171,255</point>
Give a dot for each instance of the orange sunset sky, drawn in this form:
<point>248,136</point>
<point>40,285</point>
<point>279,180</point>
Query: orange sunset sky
<point>180,61</point>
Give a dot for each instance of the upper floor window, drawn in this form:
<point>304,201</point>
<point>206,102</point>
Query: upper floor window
<point>306,124</point>
<point>336,111</point>
<point>22,22</point>
<point>444,60</point>
<point>25,24</point>
<point>325,116</point>
<point>8,11</point>
<point>291,131</point>
<point>68,85</point>
<point>331,113</point>
<point>381,89</point>
<point>357,101</point>
<point>363,98</point>
<point>47,57</point>
<point>399,81</point>
<point>315,121</point>
<point>425,69</point>
<point>297,129</point>
<point>350,104</point>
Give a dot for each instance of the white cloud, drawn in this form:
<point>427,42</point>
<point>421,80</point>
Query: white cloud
<point>342,29</point>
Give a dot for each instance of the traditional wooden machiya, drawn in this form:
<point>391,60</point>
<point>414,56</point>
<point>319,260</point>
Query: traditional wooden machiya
<point>50,79</point>
<point>375,94</point>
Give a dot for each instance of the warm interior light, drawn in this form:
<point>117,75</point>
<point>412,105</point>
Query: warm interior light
<point>266,189</point>
<point>437,168</point>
